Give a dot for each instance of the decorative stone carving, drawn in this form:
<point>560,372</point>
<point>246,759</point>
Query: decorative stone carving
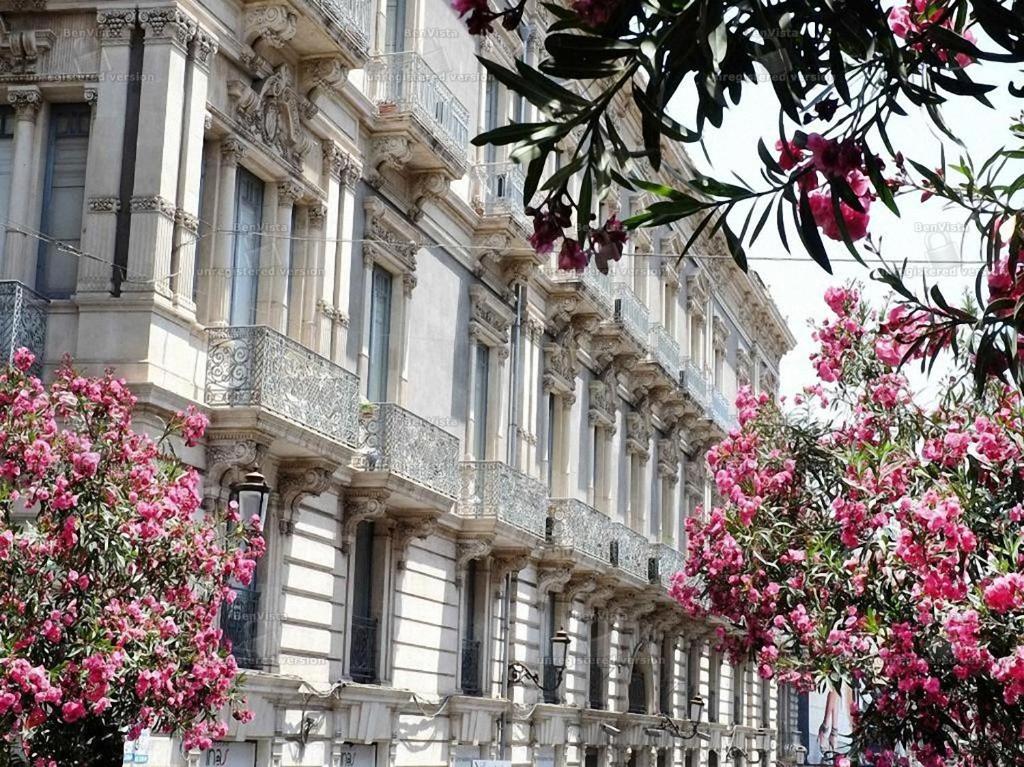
<point>153,204</point>
<point>359,506</point>
<point>639,432</point>
<point>323,73</point>
<point>340,164</point>
<point>407,531</point>
<point>719,333</point>
<point>425,187</point>
<point>203,48</point>
<point>271,114</point>
<point>288,193</point>
<point>91,94</point>
<point>553,579</point>
<point>104,204</point>
<point>392,151</point>
<point>295,484</point>
<point>273,24</point>
<point>26,101</point>
<point>388,238</point>
<point>507,562</point>
<point>186,220</point>
<point>668,458</point>
<point>468,550</point>
<point>115,26</point>
<point>489,317</point>
<point>168,24</point>
<point>232,150</point>
<point>317,216</point>
<point>227,456</point>
<point>698,291</point>
<point>604,401</point>
<point>19,51</point>
<point>332,313</point>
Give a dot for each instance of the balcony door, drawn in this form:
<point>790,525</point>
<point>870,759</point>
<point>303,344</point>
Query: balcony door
<point>394,29</point>
<point>366,601</point>
<point>245,257</point>
<point>381,292</point>
<point>475,634</point>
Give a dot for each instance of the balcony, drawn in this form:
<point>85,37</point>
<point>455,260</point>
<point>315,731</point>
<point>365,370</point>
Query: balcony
<point>722,412</point>
<point>240,623</point>
<point>330,27</point>
<point>630,552</point>
<point>695,384</point>
<point>665,562</point>
<point>492,490</point>
<point>664,350</point>
<point>632,314</point>
<point>256,367</point>
<point>363,655</point>
<point>22,322</point>
<point>575,525</point>
<point>501,190</point>
<point>588,284</point>
<point>397,441</point>
<point>421,126</point>
<point>471,667</point>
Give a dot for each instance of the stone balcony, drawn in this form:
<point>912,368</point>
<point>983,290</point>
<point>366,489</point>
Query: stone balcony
<point>253,372</point>
<point>632,315</point>
<point>582,530</point>
<point>630,552</point>
<point>583,291</point>
<point>663,350</point>
<point>497,497</point>
<point>421,127</point>
<point>22,321</point>
<point>696,386</point>
<point>499,190</point>
<point>408,455</point>
<point>324,28</point>
<point>722,412</point>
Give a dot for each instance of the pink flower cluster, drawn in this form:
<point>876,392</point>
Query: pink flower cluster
<point>110,599</point>
<point>912,22</point>
<point>876,540</point>
<point>603,244</point>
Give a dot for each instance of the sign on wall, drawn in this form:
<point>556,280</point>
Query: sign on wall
<point>353,755</point>
<point>225,754</point>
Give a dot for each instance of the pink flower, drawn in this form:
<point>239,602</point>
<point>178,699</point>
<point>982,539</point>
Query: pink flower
<point>23,359</point>
<point>790,154</point>
<point>1004,593</point>
<point>595,13</point>
<point>572,257</point>
<point>855,221</point>
<point>72,711</point>
<point>833,158</point>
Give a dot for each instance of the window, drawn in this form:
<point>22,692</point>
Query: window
<point>692,674</point>
<point>6,147</point>
<point>688,759</point>
<point>394,35</point>
<point>492,105</point>
<point>636,492</point>
<point>380,334</point>
<point>553,694</point>
<point>474,596</point>
<point>63,198</point>
<point>637,703</point>
<point>245,260</point>
<point>766,703</point>
<point>599,468</point>
<point>366,596</point>
<point>482,363</point>
<point>550,447</point>
<point>293,291</point>
<point>666,673</point>
<point>668,309</point>
<point>591,757</point>
<point>739,680</point>
<point>596,651</point>
<point>714,680</point>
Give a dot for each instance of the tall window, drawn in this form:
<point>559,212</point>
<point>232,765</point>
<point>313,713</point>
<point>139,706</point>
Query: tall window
<point>394,35</point>
<point>474,591</point>
<point>666,672</point>
<point>245,260</point>
<point>714,680</point>
<point>595,649</point>
<point>636,493</point>
<point>554,694</point>
<point>692,673</point>
<point>552,426</point>
<point>668,309</point>
<point>766,702</point>
<point>492,117</point>
<point>6,147</point>
<point>637,693</point>
<point>739,680</point>
<point>599,468</point>
<point>365,636</point>
<point>63,198</point>
<point>380,334</point>
<point>482,363</point>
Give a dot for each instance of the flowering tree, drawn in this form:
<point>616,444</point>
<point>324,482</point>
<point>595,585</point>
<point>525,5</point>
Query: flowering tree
<point>111,577</point>
<point>877,543</point>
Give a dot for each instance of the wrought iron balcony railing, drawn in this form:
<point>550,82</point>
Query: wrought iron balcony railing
<point>411,447</point>
<point>665,562</point>
<point>502,188</point>
<point>722,412</point>
<point>471,667</point>
<point>492,489</point>
<point>633,315</point>
<point>255,366</point>
<point>404,82</point>
<point>354,16</point>
<point>574,524</point>
<point>363,655</point>
<point>22,321</point>
<point>594,285</point>
<point>664,349</point>
<point>695,382</point>
<point>630,551</point>
<point>240,622</point>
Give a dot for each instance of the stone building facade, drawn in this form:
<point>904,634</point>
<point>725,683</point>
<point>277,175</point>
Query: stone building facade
<point>272,209</point>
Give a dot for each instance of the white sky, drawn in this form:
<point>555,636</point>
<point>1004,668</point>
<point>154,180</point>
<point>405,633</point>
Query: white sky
<point>798,285</point>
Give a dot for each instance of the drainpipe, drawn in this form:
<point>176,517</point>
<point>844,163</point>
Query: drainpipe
<point>515,378</point>
<point>506,622</point>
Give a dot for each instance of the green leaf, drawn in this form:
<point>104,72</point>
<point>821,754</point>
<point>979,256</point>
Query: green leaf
<point>509,134</point>
<point>809,234</point>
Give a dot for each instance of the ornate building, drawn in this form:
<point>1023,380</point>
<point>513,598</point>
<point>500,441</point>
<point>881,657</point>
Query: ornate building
<point>272,209</point>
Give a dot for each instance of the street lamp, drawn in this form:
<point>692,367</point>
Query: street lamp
<point>828,757</point>
<point>252,495</point>
<point>696,710</point>
<point>517,671</point>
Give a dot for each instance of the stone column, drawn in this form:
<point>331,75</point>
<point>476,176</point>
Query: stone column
<point>219,282</point>
<point>103,166</point>
<point>186,214</point>
<point>161,109</point>
<point>282,248</point>
<point>313,277</point>
<point>20,249</point>
<point>404,313</point>
<point>344,267</point>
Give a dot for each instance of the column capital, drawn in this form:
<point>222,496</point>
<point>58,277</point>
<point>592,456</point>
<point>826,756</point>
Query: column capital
<point>317,216</point>
<point>26,101</point>
<point>115,26</point>
<point>203,48</point>
<point>168,25</point>
<point>287,193</point>
<point>232,150</point>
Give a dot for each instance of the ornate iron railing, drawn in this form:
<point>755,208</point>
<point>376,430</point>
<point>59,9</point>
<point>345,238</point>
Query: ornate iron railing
<point>471,667</point>
<point>665,562</point>
<point>597,286</point>
<point>22,322</point>
<point>240,622</point>
<point>576,525</point>
<point>695,382</point>
<point>401,442</point>
<point>631,312</point>
<point>404,81</point>
<point>363,655</point>
<point>492,489</point>
<point>664,349</point>
<point>632,551</point>
<point>502,187</point>
<point>722,411</point>
<point>255,366</point>
<point>354,16</point>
